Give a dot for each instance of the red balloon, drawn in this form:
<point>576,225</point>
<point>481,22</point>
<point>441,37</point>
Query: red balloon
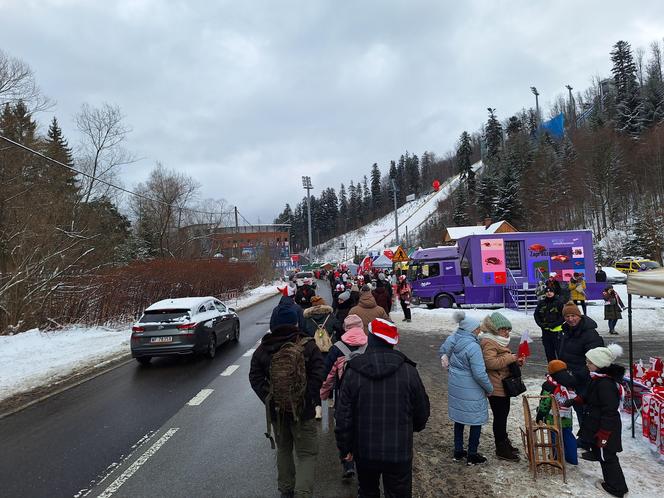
<point>436,185</point>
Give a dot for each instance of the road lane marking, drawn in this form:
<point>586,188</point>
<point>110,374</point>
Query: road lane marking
<point>133,468</point>
<point>200,397</point>
<point>249,352</point>
<point>229,371</point>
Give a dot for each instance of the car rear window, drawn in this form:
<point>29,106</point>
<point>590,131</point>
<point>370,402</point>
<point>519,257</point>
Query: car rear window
<point>164,316</point>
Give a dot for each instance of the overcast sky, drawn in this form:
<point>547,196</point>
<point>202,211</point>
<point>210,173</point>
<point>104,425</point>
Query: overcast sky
<point>247,96</point>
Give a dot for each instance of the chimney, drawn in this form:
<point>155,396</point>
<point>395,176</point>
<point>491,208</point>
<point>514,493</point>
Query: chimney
<point>487,222</point>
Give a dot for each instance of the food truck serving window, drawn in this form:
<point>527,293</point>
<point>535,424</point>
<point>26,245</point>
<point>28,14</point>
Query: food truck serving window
<point>430,270</point>
<point>513,254</point>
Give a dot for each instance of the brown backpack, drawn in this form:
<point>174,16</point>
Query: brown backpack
<point>288,384</point>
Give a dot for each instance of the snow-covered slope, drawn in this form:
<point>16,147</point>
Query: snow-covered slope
<point>380,233</point>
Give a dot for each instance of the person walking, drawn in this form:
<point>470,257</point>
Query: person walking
<point>577,287</point>
<point>304,294</point>
<point>613,307</point>
<point>367,309</point>
<point>468,387</point>
<point>549,317</point>
<point>381,403</point>
<point>288,301</point>
<point>494,341</point>
<point>344,304</point>
<point>404,291</point>
<point>382,294</point>
<point>320,314</point>
<point>600,274</point>
<point>579,335</point>
<point>294,430</point>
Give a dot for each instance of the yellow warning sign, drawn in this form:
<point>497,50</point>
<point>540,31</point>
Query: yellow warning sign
<point>400,255</point>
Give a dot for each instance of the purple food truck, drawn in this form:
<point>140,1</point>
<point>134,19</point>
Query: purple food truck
<point>502,268</point>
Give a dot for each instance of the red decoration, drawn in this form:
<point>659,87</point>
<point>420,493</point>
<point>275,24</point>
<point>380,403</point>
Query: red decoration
<point>436,185</point>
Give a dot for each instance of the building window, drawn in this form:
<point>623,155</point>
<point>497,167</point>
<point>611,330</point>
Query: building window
<point>513,255</point>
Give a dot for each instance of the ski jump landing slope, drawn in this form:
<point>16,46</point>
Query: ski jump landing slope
<point>380,233</point>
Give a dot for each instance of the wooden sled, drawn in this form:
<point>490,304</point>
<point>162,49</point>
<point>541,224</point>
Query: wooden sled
<point>543,443</point>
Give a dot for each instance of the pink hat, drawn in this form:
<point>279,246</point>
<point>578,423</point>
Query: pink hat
<point>353,321</point>
<point>385,330</point>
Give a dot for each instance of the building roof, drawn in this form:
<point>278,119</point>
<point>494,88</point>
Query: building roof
<point>456,233</point>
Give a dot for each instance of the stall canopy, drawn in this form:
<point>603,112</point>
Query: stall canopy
<point>382,261</point>
<point>646,283</point>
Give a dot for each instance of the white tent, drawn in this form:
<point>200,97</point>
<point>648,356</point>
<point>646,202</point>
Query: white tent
<point>382,261</point>
<point>645,283</point>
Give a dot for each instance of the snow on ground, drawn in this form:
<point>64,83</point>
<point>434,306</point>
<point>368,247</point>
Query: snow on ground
<point>380,233</point>
<point>37,358</point>
<point>647,315</point>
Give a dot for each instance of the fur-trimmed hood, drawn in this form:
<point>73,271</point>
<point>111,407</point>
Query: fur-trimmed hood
<point>322,309</point>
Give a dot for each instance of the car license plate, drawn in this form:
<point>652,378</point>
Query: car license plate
<point>161,339</point>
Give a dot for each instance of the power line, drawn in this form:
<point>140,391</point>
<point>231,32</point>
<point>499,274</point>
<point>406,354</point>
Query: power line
<point>109,184</point>
<point>245,219</point>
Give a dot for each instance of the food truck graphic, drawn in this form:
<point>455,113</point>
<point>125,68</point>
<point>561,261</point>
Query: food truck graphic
<point>502,268</point>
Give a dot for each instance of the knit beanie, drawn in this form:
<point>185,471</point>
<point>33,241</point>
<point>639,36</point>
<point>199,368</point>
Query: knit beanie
<point>500,322</point>
<point>466,323</point>
<point>286,315</point>
<point>344,296</point>
<point>557,366</point>
<point>571,309</point>
<point>603,357</point>
<point>352,322</point>
<point>317,301</point>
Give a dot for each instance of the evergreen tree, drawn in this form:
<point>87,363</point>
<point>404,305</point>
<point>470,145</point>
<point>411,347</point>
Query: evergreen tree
<point>629,107</point>
<point>508,204</point>
<point>653,91</point>
<point>486,195</point>
<point>426,171</point>
<point>60,179</point>
<point>645,238</point>
<point>401,180</point>
<point>376,197</point>
<point>493,137</point>
<point>286,216</point>
<point>460,215</point>
<point>389,201</point>
<point>412,174</point>
<point>463,157</point>
<point>366,197</point>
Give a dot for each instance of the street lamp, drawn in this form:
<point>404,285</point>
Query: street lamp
<point>572,106</point>
<point>536,93</point>
<point>306,184</point>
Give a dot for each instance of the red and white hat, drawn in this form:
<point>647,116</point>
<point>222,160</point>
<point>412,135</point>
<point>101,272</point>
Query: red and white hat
<point>385,330</point>
<point>287,290</point>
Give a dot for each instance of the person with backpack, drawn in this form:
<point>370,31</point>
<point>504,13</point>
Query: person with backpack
<point>286,373</point>
<point>352,343</point>
<point>381,403</point>
<point>321,317</point>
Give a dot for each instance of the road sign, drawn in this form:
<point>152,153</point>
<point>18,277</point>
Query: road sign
<point>400,255</point>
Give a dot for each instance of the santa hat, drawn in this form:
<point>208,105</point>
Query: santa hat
<point>287,290</point>
<point>384,330</point>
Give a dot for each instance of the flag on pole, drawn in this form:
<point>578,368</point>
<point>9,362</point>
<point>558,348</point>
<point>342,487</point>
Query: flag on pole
<point>524,347</point>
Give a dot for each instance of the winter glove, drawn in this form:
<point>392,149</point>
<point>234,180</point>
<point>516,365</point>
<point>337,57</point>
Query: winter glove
<point>577,400</point>
<point>540,417</point>
<point>602,437</point>
<point>444,361</point>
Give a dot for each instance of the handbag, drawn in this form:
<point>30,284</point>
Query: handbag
<point>513,383</point>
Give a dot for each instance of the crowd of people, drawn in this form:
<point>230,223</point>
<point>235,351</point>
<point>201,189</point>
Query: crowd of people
<point>344,353</point>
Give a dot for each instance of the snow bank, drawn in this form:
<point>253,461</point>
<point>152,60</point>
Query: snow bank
<point>647,315</point>
<point>38,358</point>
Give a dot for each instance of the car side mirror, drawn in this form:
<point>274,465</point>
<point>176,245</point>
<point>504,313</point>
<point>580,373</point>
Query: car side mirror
<point>232,310</point>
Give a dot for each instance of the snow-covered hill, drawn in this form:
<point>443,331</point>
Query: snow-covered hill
<point>379,234</point>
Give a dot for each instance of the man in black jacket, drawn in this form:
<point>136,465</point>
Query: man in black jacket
<point>381,403</point>
<point>295,478</point>
<point>579,336</point>
<point>549,317</point>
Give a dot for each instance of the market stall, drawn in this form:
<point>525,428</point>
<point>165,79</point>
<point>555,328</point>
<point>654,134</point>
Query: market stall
<point>647,283</point>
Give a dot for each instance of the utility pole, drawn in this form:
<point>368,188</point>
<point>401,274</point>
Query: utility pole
<point>572,106</point>
<point>536,93</point>
<point>306,184</point>
<point>396,218</point>
<point>237,230</point>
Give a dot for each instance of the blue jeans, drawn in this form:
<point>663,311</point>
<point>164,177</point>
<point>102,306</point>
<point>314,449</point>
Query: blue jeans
<point>612,325</point>
<point>473,438</point>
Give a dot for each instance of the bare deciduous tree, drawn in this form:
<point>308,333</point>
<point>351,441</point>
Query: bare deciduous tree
<point>17,83</point>
<point>103,133</point>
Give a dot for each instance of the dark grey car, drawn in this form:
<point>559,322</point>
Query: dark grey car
<point>187,325</point>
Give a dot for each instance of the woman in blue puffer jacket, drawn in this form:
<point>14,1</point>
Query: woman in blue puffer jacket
<point>468,386</point>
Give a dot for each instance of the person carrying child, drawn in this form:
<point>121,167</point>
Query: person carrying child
<point>601,423</point>
<point>559,385</point>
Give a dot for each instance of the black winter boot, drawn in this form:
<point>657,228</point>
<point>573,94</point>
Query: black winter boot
<point>475,459</point>
<point>513,448</point>
<point>504,452</point>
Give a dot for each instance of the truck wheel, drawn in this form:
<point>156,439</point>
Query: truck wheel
<point>444,301</point>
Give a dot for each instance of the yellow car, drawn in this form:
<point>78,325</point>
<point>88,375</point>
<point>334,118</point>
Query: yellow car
<point>633,265</point>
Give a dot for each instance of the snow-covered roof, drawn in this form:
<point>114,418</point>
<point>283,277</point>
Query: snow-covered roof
<point>190,303</point>
<point>455,233</point>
